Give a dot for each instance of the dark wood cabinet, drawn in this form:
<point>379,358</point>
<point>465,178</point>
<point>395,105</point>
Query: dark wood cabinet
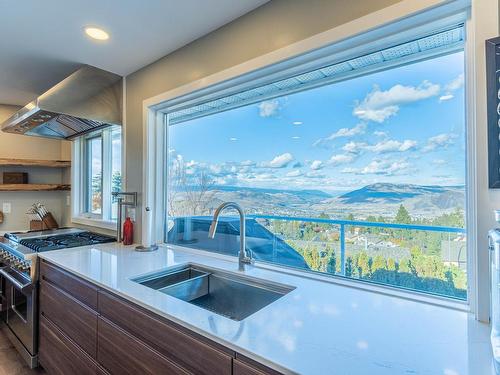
<point>76,320</point>
<point>241,368</point>
<point>58,355</point>
<point>85,330</point>
<point>73,285</point>
<point>246,366</point>
<point>121,353</point>
<point>193,353</point>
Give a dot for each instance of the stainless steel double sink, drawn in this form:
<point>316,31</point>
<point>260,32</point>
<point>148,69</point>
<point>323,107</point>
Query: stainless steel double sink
<point>228,294</point>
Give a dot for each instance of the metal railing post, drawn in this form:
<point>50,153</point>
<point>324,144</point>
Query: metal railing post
<point>342,249</point>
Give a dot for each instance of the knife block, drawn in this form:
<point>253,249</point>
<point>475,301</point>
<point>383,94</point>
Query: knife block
<point>48,222</point>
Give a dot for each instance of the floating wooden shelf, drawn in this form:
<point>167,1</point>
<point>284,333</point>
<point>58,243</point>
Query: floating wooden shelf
<point>5,162</point>
<point>34,187</point>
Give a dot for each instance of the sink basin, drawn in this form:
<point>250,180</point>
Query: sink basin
<point>233,296</point>
<point>169,277</point>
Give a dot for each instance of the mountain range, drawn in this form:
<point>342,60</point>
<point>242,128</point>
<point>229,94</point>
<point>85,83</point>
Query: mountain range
<point>375,199</point>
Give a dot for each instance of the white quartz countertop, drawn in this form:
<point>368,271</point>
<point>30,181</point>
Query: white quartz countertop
<point>318,328</point>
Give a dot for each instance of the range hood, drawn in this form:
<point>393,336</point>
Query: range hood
<point>87,100</point>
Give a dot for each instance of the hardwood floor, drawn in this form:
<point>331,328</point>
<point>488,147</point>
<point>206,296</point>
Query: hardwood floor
<point>10,362</point>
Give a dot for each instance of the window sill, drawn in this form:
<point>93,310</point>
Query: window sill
<point>92,222</point>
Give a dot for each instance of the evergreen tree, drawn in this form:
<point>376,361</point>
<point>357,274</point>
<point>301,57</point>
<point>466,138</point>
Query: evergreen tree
<point>348,267</point>
<point>403,217</point>
<point>332,264</point>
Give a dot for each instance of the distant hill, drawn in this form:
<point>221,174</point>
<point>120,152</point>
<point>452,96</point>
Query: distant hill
<point>302,194</point>
<point>384,198</point>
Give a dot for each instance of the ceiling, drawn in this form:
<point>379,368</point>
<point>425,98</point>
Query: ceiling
<point>43,41</point>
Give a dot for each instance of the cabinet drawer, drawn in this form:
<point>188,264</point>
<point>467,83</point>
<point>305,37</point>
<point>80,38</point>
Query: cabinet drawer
<point>76,320</point>
<point>190,352</point>
<point>78,288</point>
<point>246,366</point>
<point>58,355</point>
<point>120,353</point>
<point>241,368</point>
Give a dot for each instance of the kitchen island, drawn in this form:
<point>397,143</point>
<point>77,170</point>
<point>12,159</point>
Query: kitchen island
<point>319,327</point>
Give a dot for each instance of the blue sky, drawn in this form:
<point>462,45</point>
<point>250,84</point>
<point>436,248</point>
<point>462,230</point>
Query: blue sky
<point>404,125</point>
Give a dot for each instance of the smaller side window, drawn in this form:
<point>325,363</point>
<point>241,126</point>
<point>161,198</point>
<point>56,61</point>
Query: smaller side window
<point>94,180</point>
<point>101,173</point>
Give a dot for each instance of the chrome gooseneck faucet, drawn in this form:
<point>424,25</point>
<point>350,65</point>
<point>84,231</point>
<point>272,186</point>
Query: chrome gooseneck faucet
<point>244,257</point>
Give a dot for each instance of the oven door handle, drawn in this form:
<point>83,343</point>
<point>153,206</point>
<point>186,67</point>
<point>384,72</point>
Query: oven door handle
<point>1,285</point>
<point>23,288</point>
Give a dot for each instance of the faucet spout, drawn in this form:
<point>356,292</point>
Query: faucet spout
<point>244,256</point>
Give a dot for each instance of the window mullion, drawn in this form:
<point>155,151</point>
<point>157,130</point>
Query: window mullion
<point>106,175</point>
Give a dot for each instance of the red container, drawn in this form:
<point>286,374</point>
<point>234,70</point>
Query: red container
<point>128,232</point>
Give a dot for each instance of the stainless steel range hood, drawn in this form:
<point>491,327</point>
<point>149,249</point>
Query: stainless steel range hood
<point>87,100</point>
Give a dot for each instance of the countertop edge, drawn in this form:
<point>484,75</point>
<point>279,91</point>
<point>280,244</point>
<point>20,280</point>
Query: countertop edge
<point>266,362</point>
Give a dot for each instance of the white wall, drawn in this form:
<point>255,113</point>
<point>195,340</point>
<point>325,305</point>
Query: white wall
<point>23,147</point>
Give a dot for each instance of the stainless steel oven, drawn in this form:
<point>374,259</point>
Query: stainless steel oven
<point>4,300</point>
<point>21,315</point>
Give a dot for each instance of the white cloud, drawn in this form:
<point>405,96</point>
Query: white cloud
<point>342,133</point>
<point>354,147</point>
<point>316,165</point>
<point>340,159</point>
<point>379,105</point>
<point>381,167</point>
<point>439,141</point>
<point>446,97</point>
<point>247,163</point>
<point>456,83</point>
<point>391,145</point>
<point>377,115</point>
<point>280,161</point>
<point>379,133</point>
<point>386,145</point>
<point>294,173</point>
<point>451,86</point>
<point>268,108</point>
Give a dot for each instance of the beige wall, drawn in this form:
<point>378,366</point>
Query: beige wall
<point>268,28</point>
<point>23,147</point>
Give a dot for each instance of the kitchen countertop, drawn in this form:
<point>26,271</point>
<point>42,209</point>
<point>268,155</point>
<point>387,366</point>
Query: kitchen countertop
<point>318,328</point>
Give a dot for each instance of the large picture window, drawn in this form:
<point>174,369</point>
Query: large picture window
<point>362,177</point>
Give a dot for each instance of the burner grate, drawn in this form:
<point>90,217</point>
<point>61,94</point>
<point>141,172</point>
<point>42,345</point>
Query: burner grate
<point>64,241</point>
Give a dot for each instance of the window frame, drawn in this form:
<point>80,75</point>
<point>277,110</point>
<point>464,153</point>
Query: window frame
<point>81,192</point>
<point>279,66</point>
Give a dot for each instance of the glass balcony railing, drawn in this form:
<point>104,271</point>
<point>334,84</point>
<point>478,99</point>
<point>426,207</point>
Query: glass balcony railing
<point>424,258</point>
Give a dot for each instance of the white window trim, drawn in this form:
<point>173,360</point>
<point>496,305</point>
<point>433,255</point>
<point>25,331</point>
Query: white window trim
<point>79,184</point>
<point>374,31</point>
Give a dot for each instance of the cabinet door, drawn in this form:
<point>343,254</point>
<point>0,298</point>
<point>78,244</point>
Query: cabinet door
<point>120,353</point>
<point>77,321</point>
<point>187,350</point>
<point>59,356</point>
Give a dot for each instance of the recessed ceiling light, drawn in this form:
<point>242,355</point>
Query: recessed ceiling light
<point>96,33</point>
<point>297,122</point>
<point>295,137</point>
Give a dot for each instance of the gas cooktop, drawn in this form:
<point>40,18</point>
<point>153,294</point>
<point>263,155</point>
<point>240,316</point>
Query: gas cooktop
<point>59,239</point>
